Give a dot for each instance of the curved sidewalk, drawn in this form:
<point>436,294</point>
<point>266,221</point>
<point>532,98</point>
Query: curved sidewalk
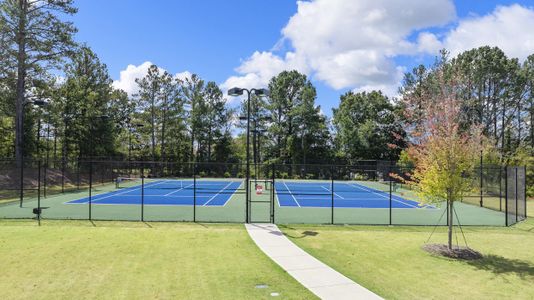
<point>319,278</point>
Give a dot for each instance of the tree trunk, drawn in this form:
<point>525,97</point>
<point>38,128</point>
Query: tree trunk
<point>164,119</point>
<point>21,82</point>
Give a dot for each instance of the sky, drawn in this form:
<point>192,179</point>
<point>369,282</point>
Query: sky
<point>341,45</point>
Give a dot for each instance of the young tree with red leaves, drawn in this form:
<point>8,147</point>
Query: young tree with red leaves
<point>444,152</point>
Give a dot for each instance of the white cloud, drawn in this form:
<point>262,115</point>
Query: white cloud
<point>128,76</point>
<point>183,75</point>
<point>507,27</point>
<point>428,43</point>
<point>348,44</point>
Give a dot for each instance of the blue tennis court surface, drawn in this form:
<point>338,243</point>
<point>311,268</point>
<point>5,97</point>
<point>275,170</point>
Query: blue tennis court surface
<point>350,195</point>
<point>168,192</point>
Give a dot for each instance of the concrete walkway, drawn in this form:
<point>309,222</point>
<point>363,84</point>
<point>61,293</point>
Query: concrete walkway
<point>319,278</point>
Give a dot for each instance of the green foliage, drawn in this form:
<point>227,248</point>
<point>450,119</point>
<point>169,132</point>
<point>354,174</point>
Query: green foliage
<point>524,157</point>
<point>33,39</point>
<point>405,160</point>
<point>299,132</point>
<point>368,127</point>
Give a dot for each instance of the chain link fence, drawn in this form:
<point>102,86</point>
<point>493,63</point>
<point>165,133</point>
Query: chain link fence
<point>368,192</point>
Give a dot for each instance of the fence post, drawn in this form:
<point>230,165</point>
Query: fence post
<point>21,186</point>
<point>525,190</point>
<point>272,193</point>
<point>500,188</point>
<point>78,173</point>
<point>44,176</point>
<point>516,192</point>
<point>481,180</point>
<point>332,194</point>
<point>194,192</point>
<point>63,175</point>
<point>142,192</point>
<point>390,200</point>
<point>39,192</point>
<point>90,185</point>
<point>506,195</point>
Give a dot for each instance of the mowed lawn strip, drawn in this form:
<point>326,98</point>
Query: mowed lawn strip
<point>390,262</point>
<point>121,260</point>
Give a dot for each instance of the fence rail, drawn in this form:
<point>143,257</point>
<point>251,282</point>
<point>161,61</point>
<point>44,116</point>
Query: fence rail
<point>362,193</point>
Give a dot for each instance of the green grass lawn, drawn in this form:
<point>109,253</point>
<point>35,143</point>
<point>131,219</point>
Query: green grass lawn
<point>390,261</point>
<point>135,260</point>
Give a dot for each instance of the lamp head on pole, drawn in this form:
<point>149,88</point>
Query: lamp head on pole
<point>262,92</point>
<point>235,92</point>
<point>39,102</point>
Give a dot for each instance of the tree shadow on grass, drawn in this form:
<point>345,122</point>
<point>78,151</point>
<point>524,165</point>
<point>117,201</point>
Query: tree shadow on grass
<point>502,265</point>
<point>304,234</point>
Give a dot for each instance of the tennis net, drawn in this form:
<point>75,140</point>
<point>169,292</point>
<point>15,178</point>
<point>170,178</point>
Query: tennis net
<point>200,185</point>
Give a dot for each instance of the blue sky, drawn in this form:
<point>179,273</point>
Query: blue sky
<point>341,45</point>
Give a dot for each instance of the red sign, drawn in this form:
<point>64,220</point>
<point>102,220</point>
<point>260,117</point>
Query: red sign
<point>259,189</point>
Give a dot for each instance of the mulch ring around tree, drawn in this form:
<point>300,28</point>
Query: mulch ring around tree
<point>456,252</point>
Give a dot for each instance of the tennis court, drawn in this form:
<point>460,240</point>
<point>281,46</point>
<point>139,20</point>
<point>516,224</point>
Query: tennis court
<point>166,192</point>
<point>339,194</point>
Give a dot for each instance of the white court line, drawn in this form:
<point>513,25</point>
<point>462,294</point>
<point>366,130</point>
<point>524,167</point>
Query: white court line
<point>177,190</point>
<point>224,188</point>
<point>334,192</point>
<point>295,199</point>
<point>387,197</point>
<point>120,193</point>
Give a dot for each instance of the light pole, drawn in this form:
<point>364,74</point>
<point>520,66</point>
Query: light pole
<point>39,103</point>
<point>238,92</point>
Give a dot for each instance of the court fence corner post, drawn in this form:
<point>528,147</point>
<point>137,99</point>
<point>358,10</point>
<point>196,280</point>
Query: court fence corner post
<point>506,196</point>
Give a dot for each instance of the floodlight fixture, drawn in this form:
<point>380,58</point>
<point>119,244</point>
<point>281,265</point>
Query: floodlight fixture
<point>235,92</point>
<point>262,92</point>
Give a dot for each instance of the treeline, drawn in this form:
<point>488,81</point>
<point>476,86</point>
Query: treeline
<point>497,93</point>
<point>189,119</point>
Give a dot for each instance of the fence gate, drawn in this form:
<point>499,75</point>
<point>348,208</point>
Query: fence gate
<point>515,195</point>
<point>261,192</point>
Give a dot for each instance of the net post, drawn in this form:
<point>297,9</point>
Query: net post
<point>90,186</point>
<point>506,195</point>
<point>194,192</point>
<point>332,193</point>
<point>142,192</point>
